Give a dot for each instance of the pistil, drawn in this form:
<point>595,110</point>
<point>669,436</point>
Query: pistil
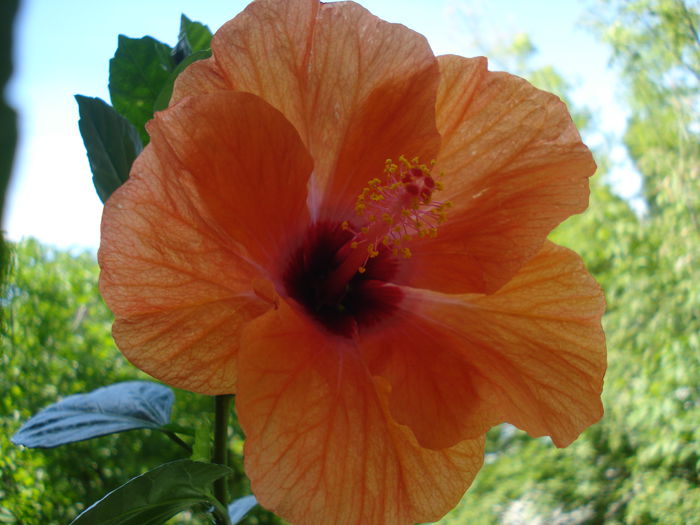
<point>389,214</point>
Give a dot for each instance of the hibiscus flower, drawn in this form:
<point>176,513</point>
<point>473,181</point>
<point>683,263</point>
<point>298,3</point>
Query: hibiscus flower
<point>350,234</point>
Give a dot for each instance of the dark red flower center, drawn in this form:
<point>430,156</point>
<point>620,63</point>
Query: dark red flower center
<point>364,300</point>
<point>341,271</point>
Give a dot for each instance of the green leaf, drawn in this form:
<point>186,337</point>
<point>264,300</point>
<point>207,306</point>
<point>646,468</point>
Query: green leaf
<point>107,410</point>
<point>137,73</point>
<point>156,496</point>
<point>111,141</point>
<point>197,35</point>
<point>164,97</point>
<point>239,508</point>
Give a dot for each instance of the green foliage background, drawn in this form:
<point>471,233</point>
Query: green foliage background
<point>55,341</point>
<point>639,465</point>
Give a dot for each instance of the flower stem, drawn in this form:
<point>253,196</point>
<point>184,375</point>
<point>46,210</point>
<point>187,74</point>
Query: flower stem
<point>222,407</point>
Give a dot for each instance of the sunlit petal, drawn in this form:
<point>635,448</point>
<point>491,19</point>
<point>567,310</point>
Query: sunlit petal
<point>533,353</point>
<point>359,90</point>
<point>320,444</point>
<point>514,167</point>
<point>246,165</point>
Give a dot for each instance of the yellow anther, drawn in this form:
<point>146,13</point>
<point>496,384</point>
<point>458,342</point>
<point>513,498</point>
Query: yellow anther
<point>345,226</point>
<point>396,209</point>
<point>361,269</point>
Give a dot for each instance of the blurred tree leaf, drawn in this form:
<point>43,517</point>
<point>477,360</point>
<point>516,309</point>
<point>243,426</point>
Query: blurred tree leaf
<point>137,73</point>
<point>641,463</point>
<point>111,141</point>
<point>155,496</point>
<point>107,410</point>
<point>8,126</point>
<point>203,440</point>
<point>58,327</point>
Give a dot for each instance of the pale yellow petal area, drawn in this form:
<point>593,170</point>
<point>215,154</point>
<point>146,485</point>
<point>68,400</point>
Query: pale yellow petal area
<point>514,167</point>
<point>531,354</point>
<point>321,446</point>
<point>359,90</point>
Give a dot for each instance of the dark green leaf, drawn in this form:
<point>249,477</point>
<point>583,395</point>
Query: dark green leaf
<point>110,409</point>
<point>197,35</point>
<point>137,73</point>
<point>164,97</point>
<point>239,508</point>
<point>155,496</point>
<point>111,141</point>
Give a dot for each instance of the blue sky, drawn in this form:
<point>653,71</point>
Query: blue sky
<point>63,48</point>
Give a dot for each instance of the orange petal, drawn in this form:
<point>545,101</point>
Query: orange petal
<point>532,354</point>
<point>200,218</point>
<point>194,348</point>
<point>320,445</point>
<point>358,89</point>
<point>200,77</point>
<point>514,167</point>
<point>177,291</point>
<point>246,166</point>
<point>435,389</point>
